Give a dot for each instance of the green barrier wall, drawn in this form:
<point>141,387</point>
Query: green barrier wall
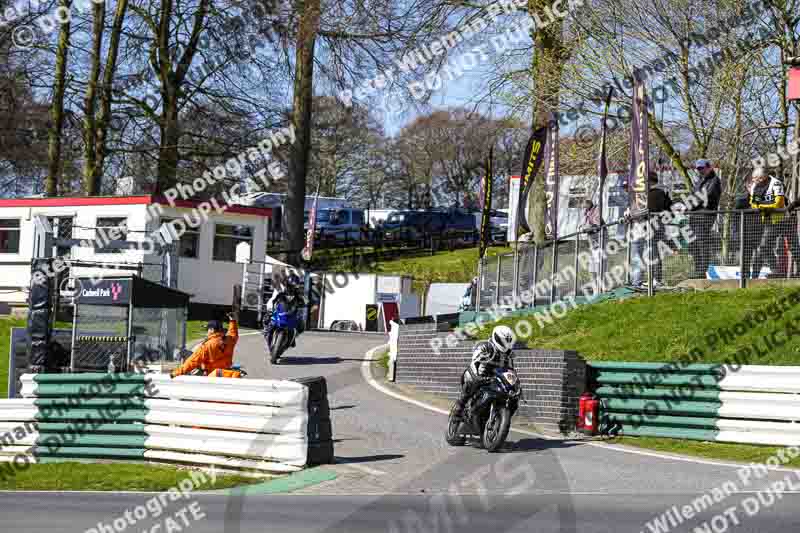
<point>658,399</point>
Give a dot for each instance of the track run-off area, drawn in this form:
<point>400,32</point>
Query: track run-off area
<point>394,472</point>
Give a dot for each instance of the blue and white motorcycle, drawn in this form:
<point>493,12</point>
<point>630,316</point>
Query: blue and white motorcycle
<point>283,332</point>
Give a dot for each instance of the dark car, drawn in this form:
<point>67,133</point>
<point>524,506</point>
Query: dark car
<point>414,224</point>
<point>461,221</point>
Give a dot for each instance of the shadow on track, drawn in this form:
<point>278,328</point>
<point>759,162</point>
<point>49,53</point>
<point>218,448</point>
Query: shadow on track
<point>312,360</point>
<point>367,458</point>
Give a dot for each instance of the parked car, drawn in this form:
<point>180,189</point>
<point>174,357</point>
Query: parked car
<point>414,224</point>
<point>460,221</point>
<point>499,226</point>
<point>345,325</point>
<point>343,223</point>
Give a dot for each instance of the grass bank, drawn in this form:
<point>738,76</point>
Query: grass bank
<point>743,453</point>
<point>458,266</point>
<point>664,327</point>
<point>111,477</point>
<point>5,346</point>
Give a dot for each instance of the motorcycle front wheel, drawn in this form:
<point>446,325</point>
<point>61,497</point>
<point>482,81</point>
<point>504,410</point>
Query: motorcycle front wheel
<point>496,430</point>
<point>451,436</point>
<point>276,348</point>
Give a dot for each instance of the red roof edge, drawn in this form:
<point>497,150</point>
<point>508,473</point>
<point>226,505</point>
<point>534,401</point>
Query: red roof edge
<point>59,201</point>
<point>236,209</point>
<point>82,201</point>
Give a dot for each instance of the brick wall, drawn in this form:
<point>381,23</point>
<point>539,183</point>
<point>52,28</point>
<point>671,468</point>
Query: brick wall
<point>552,380</point>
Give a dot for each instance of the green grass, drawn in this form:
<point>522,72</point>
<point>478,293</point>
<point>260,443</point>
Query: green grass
<point>111,477</point>
<point>663,328</point>
<point>458,266</point>
<point>5,346</point>
<point>744,453</point>
<point>195,331</point>
<point>383,359</point>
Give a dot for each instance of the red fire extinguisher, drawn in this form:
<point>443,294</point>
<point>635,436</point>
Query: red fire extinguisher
<point>588,414</point>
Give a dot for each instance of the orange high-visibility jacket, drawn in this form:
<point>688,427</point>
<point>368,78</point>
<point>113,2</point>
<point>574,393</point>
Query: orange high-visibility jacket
<point>215,353</point>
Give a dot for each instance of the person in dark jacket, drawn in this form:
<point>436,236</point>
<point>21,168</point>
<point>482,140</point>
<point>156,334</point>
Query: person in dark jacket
<point>657,201</point>
<point>708,190</point>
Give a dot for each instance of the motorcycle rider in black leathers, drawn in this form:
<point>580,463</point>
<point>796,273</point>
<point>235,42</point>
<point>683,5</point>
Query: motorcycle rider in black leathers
<point>485,357</point>
<point>291,297</point>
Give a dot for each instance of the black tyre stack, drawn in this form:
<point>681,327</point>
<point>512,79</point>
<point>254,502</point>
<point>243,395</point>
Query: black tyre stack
<point>320,429</point>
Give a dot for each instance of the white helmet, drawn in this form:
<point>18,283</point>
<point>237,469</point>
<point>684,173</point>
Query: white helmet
<point>502,339</point>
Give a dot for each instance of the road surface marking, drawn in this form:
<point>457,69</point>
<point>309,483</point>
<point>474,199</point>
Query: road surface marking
<point>364,469</point>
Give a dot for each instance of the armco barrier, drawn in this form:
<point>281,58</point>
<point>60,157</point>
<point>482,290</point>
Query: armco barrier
<point>263,425</point>
<point>751,404</point>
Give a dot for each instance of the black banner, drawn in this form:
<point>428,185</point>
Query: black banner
<point>533,160</point>
<point>486,208</point>
<point>104,292</point>
<point>551,180</point>
<point>602,164</point>
<point>638,184</point>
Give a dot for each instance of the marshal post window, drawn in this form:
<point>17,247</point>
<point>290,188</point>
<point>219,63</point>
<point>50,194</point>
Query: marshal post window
<point>9,236</point>
<point>189,245</point>
<point>227,237</point>
<point>110,229</point>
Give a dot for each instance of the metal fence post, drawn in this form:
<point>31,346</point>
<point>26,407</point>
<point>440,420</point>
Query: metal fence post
<point>577,252</point>
<point>628,254</point>
<point>515,288</point>
<point>742,274</point>
<point>534,273</point>
<point>479,286</point>
<point>553,273</point>
<point>497,286</point>
<point>650,281</point>
<point>601,282</point>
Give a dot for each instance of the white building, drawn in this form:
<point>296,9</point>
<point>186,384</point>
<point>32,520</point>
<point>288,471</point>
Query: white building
<point>207,267</point>
<point>348,296</point>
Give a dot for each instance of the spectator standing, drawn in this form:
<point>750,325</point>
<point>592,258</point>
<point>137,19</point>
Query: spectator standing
<point>657,201</point>
<point>592,224</point>
<point>703,216</point>
<point>767,195</point>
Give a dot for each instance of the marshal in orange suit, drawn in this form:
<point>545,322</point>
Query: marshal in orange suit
<point>215,355</point>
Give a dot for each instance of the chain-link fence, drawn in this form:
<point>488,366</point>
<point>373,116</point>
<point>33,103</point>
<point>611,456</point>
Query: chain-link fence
<point>657,252</point>
<point>101,337</point>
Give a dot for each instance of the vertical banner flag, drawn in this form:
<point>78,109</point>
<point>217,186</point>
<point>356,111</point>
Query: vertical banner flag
<point>640,151</point>
<point>552,179</point>
<point>602,163</point>
<point>530,167</point>
<point>486,205</point>
<point>312,229</point>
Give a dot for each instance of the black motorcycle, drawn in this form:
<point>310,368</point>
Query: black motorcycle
<point>488,414</point>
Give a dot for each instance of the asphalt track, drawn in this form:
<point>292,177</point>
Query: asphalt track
<point>396,473</point>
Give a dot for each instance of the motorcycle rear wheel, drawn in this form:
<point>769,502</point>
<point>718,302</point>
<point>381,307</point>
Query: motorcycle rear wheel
<point>276,348</point>
<point>496,430</point>
<point>451,436</point>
